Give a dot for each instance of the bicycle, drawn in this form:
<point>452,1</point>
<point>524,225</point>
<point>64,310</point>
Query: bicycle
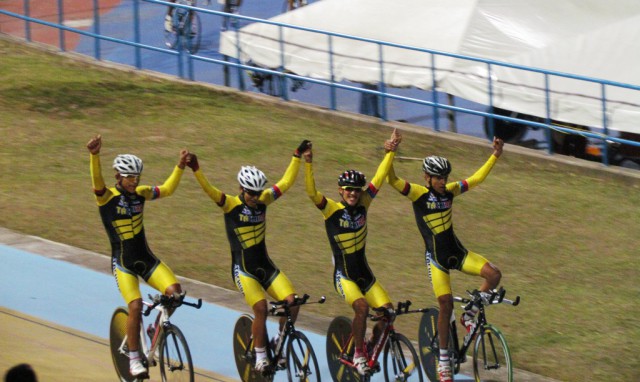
<point>186,28</point>
<point>168,346</point>
<point>301,362</point>
<point>400,360</point>
<point>491,355</point>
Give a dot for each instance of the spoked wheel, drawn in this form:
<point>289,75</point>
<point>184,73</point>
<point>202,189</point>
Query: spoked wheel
<point>401,361</point>
<point>491,356</point>
<point>339,341</point>
<point>117,343</point>
<point>243,351</point>
<point>193,33</point>
<point>302,364</point>
<point>175,358</point>
<point>428,343</point>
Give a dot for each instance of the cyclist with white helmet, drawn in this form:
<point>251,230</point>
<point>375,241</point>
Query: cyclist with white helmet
<point>432,206</point>
<point>121,208</point>
<point>346,225</point>
<point>245,215</point>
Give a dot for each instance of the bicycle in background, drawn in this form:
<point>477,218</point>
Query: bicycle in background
<point>290,5</point>
<point>400,359</point>
<point>491,356</point>
<point>168,346</point>
<point>186,28</point>
<point>300,359</point>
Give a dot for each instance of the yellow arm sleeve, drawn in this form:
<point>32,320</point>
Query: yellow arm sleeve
<point>170,185</point>
<point>478,177</point>
<point>287,180</point>
<point>96,173</point>
<point>214,193</point>
<point>310,185</point>
<point>383,170</point>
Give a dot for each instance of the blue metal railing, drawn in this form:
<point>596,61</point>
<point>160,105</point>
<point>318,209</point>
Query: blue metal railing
<point>381,93</point>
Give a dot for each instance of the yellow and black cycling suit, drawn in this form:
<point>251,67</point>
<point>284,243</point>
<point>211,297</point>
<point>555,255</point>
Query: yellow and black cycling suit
<point>346,228</point>
<point>122,216</point>
<point>433,213</point>
<point>251,268</point>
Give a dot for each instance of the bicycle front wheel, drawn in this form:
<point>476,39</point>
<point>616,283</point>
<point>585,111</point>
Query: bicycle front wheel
<point>491,356</point>
<point>401,361</point>
<point>428,343</point>
<point>243,351</point>
<point>118,344</point>
<point>175,358</point>
<point>302,364</point>
<point>339,345</point>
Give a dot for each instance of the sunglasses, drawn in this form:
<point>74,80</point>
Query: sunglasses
<point>352,189</point>
<point>130,176</point>
<point>252,193</point>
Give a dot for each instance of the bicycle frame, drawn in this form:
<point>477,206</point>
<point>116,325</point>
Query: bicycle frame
<point>148,349</point>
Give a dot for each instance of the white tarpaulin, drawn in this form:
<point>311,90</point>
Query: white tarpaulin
<point>592,38</point>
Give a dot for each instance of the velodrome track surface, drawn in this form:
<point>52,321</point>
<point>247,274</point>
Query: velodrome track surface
<point>57,301</point>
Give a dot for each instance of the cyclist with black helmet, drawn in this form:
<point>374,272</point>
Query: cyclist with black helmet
<point>432,206</point>
<point>346,226</point>
<point>245,214</point>
<point>121,208</point>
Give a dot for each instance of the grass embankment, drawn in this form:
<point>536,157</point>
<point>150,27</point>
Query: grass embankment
<point>565,238</point>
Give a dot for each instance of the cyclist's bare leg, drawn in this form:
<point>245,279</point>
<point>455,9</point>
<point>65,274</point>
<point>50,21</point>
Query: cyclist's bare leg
<point>133,324</point>
<point>294,311</point>
<point>170,291</point>
<point>379,327</point>
<point>170,9</point>
<point>446,309</point>
<point>491,275</point>
<point>259,326</point>
<point>359,326</point>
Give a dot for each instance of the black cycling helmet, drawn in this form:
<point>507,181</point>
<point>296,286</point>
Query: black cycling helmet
<point>351,178</point>
<point>435,165</point>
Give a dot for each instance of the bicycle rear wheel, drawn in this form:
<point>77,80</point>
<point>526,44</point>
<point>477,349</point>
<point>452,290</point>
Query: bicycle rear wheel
<point>175,358</point>
<point>243,350</point>
<point>302,364</point>
<point>119,349</point>
<point>193,33</point>
<point>491,356</point>
<point>339,343</point>
<point>401,361</point>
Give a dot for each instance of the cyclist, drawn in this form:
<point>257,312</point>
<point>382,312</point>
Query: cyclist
<point>295,4</point>
<point>346,226</point>
<point>168,23</point>
<point>432,206</point>
<point>245,221</point>
<point>121,208</point>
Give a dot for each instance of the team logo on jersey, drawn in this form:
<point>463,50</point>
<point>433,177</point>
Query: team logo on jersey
<point>352,222</point>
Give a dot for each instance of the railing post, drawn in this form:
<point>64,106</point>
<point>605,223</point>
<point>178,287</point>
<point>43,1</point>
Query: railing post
<point>491,132</point>
<point>382,99</point>
<point>136,33</point>
<point>61,22</point>
<point>548,132</point>
<point>434,94</point>
<point>605,126</point>
<point>240,70</point>
<point>283,79</point>
<point>27,23</point>
<point>332,90</point>
<point>96,29</point>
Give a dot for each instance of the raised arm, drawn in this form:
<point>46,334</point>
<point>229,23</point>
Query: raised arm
<point>390,146</point>
<point>481,174</point>
<point>289,177</point>
<point>171,184</point>
<point>94,145</point>
<point>310,183</point>
<point>215,194</point>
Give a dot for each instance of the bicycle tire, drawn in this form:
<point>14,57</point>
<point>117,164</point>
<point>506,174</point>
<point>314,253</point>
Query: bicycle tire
<point>175,358</point>
<point>302,364</point>
<point>339,339</point>
<point>243,350</point>
<point>193,33</point>
<point>428,343</point>
<point>117,333</point>
<point>401,361</point>
<point>491,356</point>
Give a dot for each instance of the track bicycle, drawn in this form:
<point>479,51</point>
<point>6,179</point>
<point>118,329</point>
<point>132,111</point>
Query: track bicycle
<point>168,346</point>
<point>186,28</point>
<point>299,358</point>
<point>491,355</point>
<point>400,360</point>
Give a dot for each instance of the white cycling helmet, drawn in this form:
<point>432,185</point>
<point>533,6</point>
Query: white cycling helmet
<point>251,178</point>
<point>435,165</point>
<point>127,164</point>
